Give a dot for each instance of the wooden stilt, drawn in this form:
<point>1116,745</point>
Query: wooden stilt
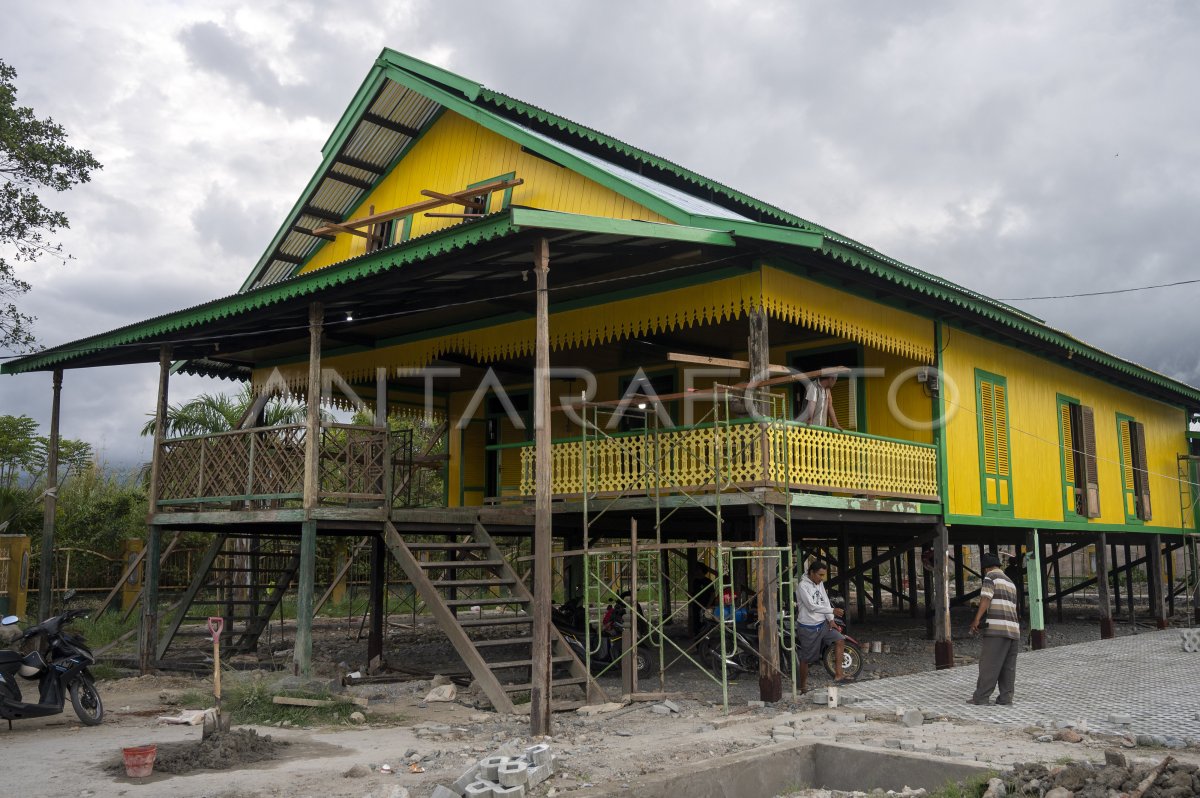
<point>910,557</point>
<point>46,575</point>
<point>944,645</point>
<point>540,688</point>
<point>1037,594</point>
<point>1107,629</point>
<point>695,611</point>
<point>1130,604</point>
<point>377,596</point>
<point>1116,578</point>
<point>770,679</point>
<point>1154,581</point>
<point>148,636</point>
<point>306,578</point>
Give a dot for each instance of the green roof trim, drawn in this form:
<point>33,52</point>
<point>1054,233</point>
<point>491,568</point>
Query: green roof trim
<point>418,249</point>
<point>558,220</point>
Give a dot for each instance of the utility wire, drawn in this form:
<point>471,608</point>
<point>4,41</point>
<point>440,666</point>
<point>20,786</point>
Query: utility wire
<point>1097,293</point>
<point>1098,456</point>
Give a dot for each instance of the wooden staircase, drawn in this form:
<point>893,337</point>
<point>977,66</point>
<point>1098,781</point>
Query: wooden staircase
<point>242,583</point>
<point>495,647</point>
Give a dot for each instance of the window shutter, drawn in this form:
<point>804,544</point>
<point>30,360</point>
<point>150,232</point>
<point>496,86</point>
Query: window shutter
<point>1091,475</point>
<point>1141,475</point>
<point>988,410</point>
<point>1068,437</point>
<point>1000,394</point>
<point>844,399</point>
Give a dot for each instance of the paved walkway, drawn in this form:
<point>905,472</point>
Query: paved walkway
<point>1146,676</point>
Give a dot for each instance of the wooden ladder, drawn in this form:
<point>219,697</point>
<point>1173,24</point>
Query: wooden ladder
<point>472,565</point>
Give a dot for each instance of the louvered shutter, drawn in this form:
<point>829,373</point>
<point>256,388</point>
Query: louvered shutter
<point>987,400</point>
<point>1001,397</point>
<point>845,402</point>
<point>1141,474</point>
<point>1091,475</point>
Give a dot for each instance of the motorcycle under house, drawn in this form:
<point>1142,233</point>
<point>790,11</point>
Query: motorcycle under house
<point>57,660</point>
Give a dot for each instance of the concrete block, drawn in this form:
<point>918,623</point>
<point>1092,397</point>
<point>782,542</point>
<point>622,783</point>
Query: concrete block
<point>840,718</point>
<point>468,776</point>
<point>912,717</point>
<point>539,773</point>
<point>756,704</point>
<point>820,697</point>
<point>479,789</point>
<point>440,791</point>
<point>784,732</point>
<point>538,754</point>
<point>892,743</point>
<point>517,791</point>
<point>908,745</point>
<point>513,773</point>
<point>1120,718</point>
<point>660,709</point>
<point>490,768</point>
<point>671,705</point>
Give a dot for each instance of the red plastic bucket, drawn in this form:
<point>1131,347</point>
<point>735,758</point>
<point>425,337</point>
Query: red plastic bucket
<point>139,760</point>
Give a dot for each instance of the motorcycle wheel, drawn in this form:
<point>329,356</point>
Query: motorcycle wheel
<point>643,663</point>
<point>86,701</point>
<point>852,660</point>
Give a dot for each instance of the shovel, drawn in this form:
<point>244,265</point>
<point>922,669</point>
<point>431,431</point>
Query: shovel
<point>218,722</point>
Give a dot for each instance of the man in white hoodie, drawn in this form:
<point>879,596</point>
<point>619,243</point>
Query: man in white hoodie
<point>814,623</point>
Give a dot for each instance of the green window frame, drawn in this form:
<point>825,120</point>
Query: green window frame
<point>995,462</point>
<point>505,196</point>
<point>1068,444</point>
<point>1135,478</point>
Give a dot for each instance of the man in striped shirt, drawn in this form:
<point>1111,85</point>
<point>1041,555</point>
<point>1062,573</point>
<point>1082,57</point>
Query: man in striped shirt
<point>1001,634</point>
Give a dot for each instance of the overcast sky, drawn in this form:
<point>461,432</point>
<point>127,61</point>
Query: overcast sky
<point>1019,148</point>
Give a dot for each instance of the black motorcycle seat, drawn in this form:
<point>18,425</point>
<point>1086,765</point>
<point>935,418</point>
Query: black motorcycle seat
<point>9,657</point>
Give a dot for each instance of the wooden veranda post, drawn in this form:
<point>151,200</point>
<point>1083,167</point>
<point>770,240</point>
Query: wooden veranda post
<point>540,688</point>
<point>770,680</point>
<point>148,642</point>
<point>302,655</point>
<point>46,577</point>
<point>1107,628</point>
<point>943,647</point>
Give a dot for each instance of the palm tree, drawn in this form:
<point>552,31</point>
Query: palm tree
<point>218,412</point>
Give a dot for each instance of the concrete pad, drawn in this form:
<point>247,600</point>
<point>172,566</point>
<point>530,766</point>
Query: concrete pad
<point>512,774</point>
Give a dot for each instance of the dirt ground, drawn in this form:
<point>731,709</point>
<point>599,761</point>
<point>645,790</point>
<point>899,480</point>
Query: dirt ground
<point>441,739</point>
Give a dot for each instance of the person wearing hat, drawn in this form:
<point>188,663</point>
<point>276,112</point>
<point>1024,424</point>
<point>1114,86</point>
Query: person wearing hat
<point>997,615</point>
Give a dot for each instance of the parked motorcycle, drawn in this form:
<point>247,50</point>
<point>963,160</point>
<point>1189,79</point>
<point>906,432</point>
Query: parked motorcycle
<point>606,642</point>
<point>852,657</point>
<point>741,641</point>
<point>59,662</point>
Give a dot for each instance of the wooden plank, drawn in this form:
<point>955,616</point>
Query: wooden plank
<point>351,225</point>
<point>466,202</point>
<point>724,362</point>
<point>288,700</point>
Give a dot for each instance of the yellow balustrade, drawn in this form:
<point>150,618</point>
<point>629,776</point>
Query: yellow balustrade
<point>740,455</point>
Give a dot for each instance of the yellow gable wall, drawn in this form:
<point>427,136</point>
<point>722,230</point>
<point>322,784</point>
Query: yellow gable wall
<point>453,154</point>
<point>1033,385</point>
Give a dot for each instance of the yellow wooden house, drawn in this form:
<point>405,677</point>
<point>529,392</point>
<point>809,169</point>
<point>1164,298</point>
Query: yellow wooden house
<point>404,278</point>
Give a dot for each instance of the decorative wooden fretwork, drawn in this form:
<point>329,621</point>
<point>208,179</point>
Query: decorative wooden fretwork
<point>780,454</point>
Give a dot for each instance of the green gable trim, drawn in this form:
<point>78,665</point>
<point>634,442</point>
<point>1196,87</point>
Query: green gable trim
<point>557,220</point>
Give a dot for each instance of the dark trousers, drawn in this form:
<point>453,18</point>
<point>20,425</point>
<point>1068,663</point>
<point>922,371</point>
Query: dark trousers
<point>997,663</point>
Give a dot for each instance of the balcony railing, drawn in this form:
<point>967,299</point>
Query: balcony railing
<point>737,455</point>
<point>264,467</point>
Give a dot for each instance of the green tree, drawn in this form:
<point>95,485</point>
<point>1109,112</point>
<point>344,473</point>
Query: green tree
<point>219,412</point>
<point>23,463</point>
<point>34,155</point>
